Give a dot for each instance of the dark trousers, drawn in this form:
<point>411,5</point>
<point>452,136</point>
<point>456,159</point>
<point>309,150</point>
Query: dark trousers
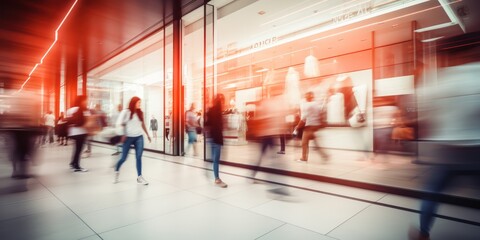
<point>79,142</point>
<point>266,142</point>
<point>463,162</point>
<point>282,142</point>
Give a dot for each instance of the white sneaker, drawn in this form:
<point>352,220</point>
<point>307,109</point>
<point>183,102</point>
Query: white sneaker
<point>141,180</point>
<point>80,169</point>
<point>117,174</point>
<point>220,183</point>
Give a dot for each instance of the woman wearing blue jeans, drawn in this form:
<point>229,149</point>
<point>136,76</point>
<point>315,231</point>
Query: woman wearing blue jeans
<point>214,125</point>
<point>133,122</point>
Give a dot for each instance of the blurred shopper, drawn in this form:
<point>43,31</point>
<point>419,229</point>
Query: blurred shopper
<point>154,126</point>
<point>167,126</point>
<point>134,125</point>
<point>214,131</point>
<point>282,142</point>
<point>50,127</point>
<point>451,108</point>
<point>112,122</point>
<point>383,123</point>
<point>191,125</point>
<point>76,119</point>
<point>311,122</point>
<point>20,122</point>
<point>270,119</point>
<point>99,121</point>
<point>62,130</point>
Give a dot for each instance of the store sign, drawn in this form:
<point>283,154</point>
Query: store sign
<point>263,43</point>
<point>353,12</point>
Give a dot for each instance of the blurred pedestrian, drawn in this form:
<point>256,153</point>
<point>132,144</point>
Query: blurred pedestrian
<point>451,109</point>
<point>214,131</point>
<point>50,127</point>
<point>311,122</point>
<point>20,123</point>
<point>99,119</point>
<point>270,120</point>
<point>191,125</point>
<point>154,126</point>
<point>132,119</point>
<point>62,130</point>
<point>76,119</point>
<point>112,122</point>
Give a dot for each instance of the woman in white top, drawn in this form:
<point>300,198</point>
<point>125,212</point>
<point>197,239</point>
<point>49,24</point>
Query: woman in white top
<point>133,122</point>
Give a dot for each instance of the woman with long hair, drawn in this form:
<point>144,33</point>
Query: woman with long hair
<point>132,119</point>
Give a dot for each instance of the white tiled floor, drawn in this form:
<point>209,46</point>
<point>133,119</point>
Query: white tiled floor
<point>182,203</point>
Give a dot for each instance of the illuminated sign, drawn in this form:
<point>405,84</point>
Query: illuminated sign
<point>353,12</point>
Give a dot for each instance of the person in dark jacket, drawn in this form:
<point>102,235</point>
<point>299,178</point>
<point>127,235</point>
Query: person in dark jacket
<point>214,126</point>
<point>76,118</point>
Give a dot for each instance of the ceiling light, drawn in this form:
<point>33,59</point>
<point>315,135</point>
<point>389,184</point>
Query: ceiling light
<point>261,12</point>
<point>262,70</point>
<point>291,13</point>
<point>431,39</point>
<point>435,27</point>
<point>231,85</point>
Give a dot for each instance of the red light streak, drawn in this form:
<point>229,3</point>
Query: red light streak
<point>51,46</point>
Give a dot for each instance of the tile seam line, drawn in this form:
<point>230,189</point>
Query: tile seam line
<point>326,193</point>
<point>348,219</point>
<point>284,223</point>
<point>163,214</point>
<point>71,210</point>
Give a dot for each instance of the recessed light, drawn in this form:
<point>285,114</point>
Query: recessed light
<point>261,12</point>
<point>431,39</point>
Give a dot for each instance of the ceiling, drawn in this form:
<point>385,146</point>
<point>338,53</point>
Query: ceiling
<point>27,27</point>
<point>26,31</point>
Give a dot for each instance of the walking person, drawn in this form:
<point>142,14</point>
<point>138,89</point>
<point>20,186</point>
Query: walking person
<point>112,122</point>
<point>50,127</point>
<point>270,118</point>
<point>99,121</point>
<point>62,130</point>
<point>214,130</point>
<point>191,125</point>
<point>452,144</point>
<point>76,118</point>
<point>311,121</point>
<point>154,126</point>
<point>132,119</point>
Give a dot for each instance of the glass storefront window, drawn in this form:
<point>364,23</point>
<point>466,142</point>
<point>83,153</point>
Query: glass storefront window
<point>136,72</point>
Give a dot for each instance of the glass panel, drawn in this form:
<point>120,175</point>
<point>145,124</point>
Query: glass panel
<point>286,56</point>
<point>137,71</point>
<point>168,76</point>
<point>193,81</point>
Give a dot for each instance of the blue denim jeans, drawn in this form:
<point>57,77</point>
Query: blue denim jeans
<point>192,136</point>
<point>138,144</point>
<point>216,150</point>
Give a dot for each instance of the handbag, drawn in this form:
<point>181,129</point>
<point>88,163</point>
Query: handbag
<point>358,118</point>
<point>403,133</point>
